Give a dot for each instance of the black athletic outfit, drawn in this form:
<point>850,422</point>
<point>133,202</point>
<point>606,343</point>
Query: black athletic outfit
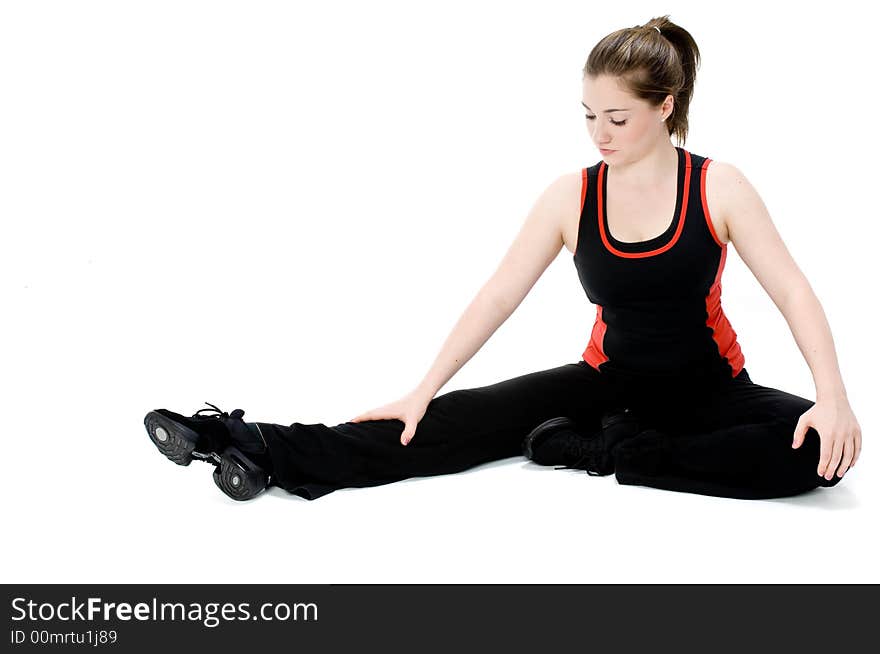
<point>660,345</point>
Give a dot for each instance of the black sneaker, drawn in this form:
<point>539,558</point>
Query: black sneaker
<point>618,425</point>
<point>561,442</point>
<point>237,449</point>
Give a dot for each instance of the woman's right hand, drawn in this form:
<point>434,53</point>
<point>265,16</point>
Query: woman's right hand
<point>409,409</point>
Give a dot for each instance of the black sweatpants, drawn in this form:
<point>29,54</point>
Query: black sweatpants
<point>730,438</point>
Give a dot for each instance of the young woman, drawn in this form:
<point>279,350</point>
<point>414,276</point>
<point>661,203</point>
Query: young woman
<point>660,396</point>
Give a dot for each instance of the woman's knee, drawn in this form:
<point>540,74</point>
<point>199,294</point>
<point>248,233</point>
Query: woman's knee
<point>805,459</point>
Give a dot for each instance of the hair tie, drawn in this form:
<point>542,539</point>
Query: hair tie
<point>658,30</point>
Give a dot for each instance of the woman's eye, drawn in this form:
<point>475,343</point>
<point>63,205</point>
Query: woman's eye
<point>613,122</point>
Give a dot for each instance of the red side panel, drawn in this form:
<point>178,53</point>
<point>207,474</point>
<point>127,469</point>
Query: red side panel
<point>722,332</point>
<point>594,354</point>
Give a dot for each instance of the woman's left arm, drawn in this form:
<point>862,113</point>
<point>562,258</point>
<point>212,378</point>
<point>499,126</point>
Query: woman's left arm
<point>760,246</point>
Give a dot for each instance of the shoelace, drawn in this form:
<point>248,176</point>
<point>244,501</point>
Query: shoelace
<point>237,413</point>
<point>590,451</point>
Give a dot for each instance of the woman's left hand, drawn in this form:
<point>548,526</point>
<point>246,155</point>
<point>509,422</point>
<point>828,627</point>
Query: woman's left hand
<point>839,434</point>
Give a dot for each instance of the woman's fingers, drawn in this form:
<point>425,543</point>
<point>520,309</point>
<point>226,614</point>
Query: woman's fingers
<point>373,415</point>
<point>408,410</point>
<point>834,461</point>
<point>409,427</point>
<point>846,459</point>
<point>407,434</point>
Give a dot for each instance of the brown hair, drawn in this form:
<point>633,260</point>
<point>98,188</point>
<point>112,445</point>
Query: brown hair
<point>651,65</point>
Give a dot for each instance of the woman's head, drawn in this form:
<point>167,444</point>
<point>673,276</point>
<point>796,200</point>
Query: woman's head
<point>648,73</point>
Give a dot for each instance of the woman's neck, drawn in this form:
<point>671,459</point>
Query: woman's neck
<point>650,171</point>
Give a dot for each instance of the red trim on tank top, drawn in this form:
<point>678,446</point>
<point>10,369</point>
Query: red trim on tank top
<point>681,216</point>
<point>703,171</point>
<point>584,181</point>
<point>722,332</point>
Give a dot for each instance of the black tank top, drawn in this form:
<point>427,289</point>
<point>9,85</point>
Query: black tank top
<point>658,302</point>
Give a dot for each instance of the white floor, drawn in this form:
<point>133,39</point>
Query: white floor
<point>103,505</point>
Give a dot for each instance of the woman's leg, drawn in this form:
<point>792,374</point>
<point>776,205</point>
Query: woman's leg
<point>460,429</point>
<point>734,441</point>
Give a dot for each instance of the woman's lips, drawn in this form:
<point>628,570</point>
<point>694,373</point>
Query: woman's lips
<point>605,152</point>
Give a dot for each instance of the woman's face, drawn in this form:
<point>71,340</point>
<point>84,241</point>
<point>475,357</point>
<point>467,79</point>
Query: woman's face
<point>632,129</point>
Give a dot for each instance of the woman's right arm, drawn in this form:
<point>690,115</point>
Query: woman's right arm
<point>535,247</point>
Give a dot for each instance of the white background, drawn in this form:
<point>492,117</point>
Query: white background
<point>285,207</point>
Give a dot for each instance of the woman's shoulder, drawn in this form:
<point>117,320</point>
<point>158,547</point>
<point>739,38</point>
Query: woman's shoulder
<point>720,182</point>
<point>570,188</point>
<point>565,189</point>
